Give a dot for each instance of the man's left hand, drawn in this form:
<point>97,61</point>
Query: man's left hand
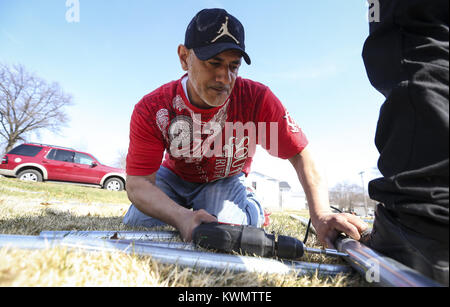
<point>328,225</point>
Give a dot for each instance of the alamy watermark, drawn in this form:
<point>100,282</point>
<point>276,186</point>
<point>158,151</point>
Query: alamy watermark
<point>373,272</point>
<point>73,11</point>
<point>374,10</point>
<point>190,139</point>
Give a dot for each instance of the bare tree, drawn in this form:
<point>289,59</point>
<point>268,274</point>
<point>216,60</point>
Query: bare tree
<point>28,104</point>
<point>121,160</point>
<point>348,196</point>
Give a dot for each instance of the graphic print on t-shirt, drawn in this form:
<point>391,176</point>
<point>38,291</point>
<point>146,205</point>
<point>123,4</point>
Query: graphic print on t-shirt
<point>204,145</point>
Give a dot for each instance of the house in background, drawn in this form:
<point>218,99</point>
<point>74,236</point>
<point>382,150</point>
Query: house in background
<point>275,194</point>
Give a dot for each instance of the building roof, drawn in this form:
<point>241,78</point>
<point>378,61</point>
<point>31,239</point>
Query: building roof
<point>284,185</point>
<point>263,176</point>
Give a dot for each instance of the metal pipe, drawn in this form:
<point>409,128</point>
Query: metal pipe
<point>184,258</point>
<point>175,245</point>
<point>375,267</point>
<point>26,242</point>
<point>33,242</point>
<point>126,235</point>
<point>153,235</point>
<point>384,271</point>
<point>326,252</point>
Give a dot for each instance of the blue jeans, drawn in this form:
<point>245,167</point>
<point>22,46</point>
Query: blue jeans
<point>227,199</point>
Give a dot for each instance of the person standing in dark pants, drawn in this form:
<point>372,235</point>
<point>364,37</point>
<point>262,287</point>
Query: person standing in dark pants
<point>407,59</point>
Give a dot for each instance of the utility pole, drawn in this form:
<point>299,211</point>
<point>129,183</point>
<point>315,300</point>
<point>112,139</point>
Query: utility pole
<point>364,192</point>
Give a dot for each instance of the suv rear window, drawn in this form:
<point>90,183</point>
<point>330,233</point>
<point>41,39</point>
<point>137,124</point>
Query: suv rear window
<point>61,155</point>
<point>26,150</point>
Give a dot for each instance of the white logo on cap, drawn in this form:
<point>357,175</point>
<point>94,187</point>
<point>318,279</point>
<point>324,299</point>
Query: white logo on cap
<point>224,31</point>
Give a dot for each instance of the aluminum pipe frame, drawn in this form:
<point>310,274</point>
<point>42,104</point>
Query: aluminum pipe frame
<point>379,269</point>
<point>151,235</point>
<point>376,268</point>
<point>175,255</point>
<point>44,242</point>
<point>128,235</point>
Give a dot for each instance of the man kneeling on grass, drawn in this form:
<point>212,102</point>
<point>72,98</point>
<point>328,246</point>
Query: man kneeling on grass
<point>209,123</point>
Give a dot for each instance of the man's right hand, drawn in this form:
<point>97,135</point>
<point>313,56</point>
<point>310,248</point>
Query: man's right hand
<point>191,222</point>
<point>150,200</point>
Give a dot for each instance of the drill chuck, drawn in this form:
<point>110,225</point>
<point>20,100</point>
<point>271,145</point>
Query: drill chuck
<point>289,247</point>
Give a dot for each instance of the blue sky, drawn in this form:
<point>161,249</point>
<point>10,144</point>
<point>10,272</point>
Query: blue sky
<point>307,52</point>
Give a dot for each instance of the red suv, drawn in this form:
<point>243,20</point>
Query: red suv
<point>39,162</point>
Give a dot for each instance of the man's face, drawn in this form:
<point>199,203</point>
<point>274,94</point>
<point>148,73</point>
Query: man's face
<point>210,82</point>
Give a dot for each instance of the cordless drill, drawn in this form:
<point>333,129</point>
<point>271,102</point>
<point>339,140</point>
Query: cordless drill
<point>252,240</point>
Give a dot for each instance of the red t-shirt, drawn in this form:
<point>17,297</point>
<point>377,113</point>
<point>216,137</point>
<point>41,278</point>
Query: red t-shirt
<point>204,145</point>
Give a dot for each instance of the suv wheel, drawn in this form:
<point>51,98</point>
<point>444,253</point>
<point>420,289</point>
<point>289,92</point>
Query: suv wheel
<point>113,184</point>
<point>30,175</point>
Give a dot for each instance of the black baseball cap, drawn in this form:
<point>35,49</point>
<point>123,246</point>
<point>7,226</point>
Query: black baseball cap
<point>213,31</point>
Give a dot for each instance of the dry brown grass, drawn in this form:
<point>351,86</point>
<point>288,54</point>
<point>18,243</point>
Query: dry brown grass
<point>29,209</point>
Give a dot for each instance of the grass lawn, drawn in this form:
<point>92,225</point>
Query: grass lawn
<point>29,208</point>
